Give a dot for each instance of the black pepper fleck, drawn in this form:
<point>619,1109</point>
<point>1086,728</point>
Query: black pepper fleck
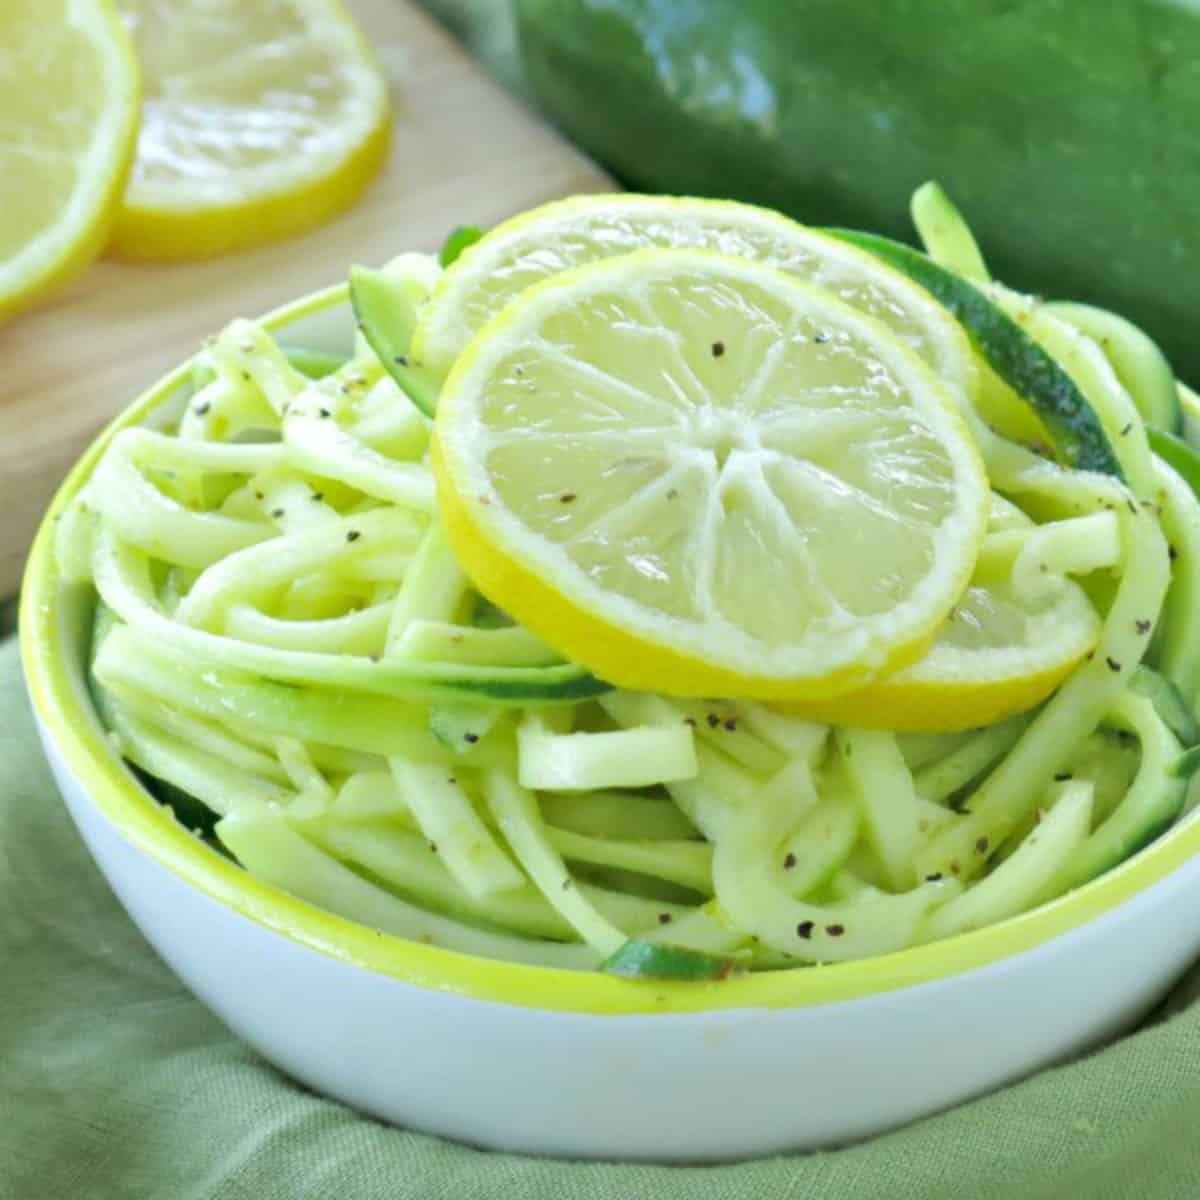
<point>325,413</point>
<point>567,497</point>
<point>718,348</point>
<point>1113,665</point>
<point>277,513</point>
<point>804,930</point>
<point>202,408</point>
<point>1142,626</point>
<point>835,930</point>
<point>401,360</point>
<point>1127,430</point>
<point>353,535</point>
<point>713,720</point>
<point>1062,776</point>
<point>1172,553</point>
<point>821,338</point>
<point>664,918</point>
<point>981,845</point>
<point>318,497</point>
<point>789,861</point>
<point>934,877</point>
<point>470,738</point>
<point>731,724</point>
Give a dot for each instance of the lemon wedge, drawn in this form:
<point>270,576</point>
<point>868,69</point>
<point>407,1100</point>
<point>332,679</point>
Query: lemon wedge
<point>68,125</point>
<point>695,474</point>
<point>261,120</point>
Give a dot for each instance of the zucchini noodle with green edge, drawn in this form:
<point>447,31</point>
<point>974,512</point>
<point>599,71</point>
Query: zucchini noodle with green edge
<point>288,653</point>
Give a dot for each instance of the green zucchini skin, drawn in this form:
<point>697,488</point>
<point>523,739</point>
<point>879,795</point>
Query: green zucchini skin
<point>658,960</point>
<point>1068,139</point>
<point>1013,354</point>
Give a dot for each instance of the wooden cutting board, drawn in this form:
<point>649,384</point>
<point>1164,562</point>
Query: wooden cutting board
<point>464,151</point>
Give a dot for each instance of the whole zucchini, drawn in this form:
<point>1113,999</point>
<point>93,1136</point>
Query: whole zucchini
<point>1067,131</point>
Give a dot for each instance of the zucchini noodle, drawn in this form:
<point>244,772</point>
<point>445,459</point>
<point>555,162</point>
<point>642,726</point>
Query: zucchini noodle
<point>283,634</point>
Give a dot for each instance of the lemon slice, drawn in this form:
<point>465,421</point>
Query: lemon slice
<point>261,120</point>
<point>68,123</point>
<point>1000,652</point>
<point>695,474</point>
<point>568,233</point>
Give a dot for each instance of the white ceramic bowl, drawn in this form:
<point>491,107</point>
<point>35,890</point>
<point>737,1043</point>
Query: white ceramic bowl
<point>552,1062</point>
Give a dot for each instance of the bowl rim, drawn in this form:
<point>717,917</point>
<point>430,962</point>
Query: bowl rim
<point>153,830</point>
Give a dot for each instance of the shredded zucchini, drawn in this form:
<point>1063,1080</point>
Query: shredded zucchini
<point>285,641</point>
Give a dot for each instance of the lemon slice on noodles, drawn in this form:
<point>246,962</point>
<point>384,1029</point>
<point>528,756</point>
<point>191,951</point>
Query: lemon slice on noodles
<point>261,120</point>
<point>68,125</point>
<point>695,474</point>
<point>582,229</point>
<point>1001,651</point>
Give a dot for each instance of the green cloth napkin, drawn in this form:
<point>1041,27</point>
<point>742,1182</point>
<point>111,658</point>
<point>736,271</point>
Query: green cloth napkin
<point>116,1085</point>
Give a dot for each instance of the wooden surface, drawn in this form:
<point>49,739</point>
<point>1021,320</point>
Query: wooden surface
<point>463,152</point>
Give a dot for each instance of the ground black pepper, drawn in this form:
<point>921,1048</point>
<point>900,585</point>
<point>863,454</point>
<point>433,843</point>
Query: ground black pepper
<point>804,930</point>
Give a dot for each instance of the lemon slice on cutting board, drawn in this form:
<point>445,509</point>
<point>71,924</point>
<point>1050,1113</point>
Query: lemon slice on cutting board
<point>68,124</point>
<point>695,474</point>
<point>582,229</point>
<point>1000,652</point>
<point>260,120</point>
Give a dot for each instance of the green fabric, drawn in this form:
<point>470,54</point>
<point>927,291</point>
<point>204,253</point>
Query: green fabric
<point>116,1084</point>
